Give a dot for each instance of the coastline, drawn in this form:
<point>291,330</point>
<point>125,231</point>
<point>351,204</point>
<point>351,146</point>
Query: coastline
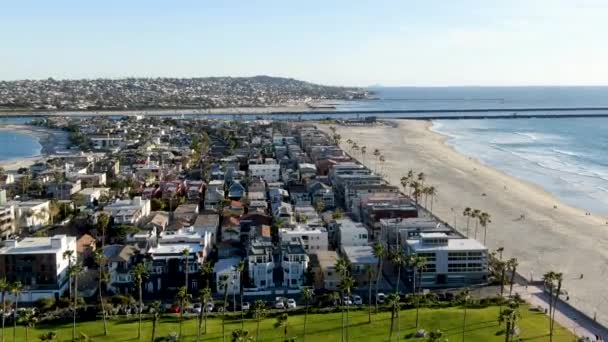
<point>51,140</point>
<point>562,240</point>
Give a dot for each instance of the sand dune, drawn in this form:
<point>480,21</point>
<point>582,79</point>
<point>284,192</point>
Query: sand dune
<point>562,239</point>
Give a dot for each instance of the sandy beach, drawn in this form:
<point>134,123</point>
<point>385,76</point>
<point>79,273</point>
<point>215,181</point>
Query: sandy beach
<point>563,239</point>
<point>52,142</point>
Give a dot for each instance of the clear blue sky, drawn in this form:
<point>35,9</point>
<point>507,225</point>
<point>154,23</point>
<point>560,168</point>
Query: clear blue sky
<point>355,42</point>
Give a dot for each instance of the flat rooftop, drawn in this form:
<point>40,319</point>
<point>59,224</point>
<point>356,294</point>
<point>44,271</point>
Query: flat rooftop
<point>453,245</point>
<point>37,245</point>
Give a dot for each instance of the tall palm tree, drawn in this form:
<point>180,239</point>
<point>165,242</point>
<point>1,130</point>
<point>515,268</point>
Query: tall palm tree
<point>510,316</point>
<point>346,285</point>
<point>380,253</point>
<point>157,310</point>
<point>484,220</point>
<point>69,255</point>
<point>476,214</point>
<point>205,297</point>
<point>206,272</point>
<point>464,297</point>
<point>512,265</point>
<point>399,259</point>
<point>404,183</point>
<point>467,213</point>
<point>553,280</point>
<point>139,274</point>
<point>282,322</point>
<point>240,268</point>
<point>101,261</point>
<point>432,191</point>
<point>417,263</point>
<point>376,154</point>
<point>342,268</point>
<point>421,178</point>
<point>185,254</point>
<point>392,301</point>
<point>4,288</point>
<point>259,312</point>
<point>369,271</point>
<point>16,289</point>
<point>182,299</point>
<point>102,221</point>
<point>307,296</point>
<point>224,285</point>
<point>75,271</point>
<point>29,319</point>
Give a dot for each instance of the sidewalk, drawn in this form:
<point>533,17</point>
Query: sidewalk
<point>565,315</point>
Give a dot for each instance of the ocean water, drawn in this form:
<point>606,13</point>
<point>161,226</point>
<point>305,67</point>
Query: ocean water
<point>14,145</point>
<point>567,157</point>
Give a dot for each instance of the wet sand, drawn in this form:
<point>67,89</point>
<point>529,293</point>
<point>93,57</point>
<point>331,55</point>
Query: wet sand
<point>52,141</point>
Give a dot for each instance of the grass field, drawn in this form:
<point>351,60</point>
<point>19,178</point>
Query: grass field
<point>481,326</point>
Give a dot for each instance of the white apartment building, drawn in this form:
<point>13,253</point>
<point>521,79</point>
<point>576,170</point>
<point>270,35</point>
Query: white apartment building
<point>7,221</point>
<point>261,264</point>
<point>32,215</point>
<point>228,267</point>
<point>352,234</point>
<point>451,261</point>
<point>313,238</point>
<point>269,172</point>
<point>129,211</point>
<point>38,263</point>
<point>294,262</point>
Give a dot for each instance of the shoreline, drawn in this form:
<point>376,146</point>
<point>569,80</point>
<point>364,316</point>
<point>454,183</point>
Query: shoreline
<point>52,141</point>
<point>547,239</point>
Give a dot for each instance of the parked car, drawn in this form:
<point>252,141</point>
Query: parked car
<point>357,300</point>
<point>291,303</point>
<point>173,309</point>
<point>380,298</point>
<point>347,301</point>
<point>209,307</point>
<point>279,304</point>
<point>246,306</point>
<point>197,308</point>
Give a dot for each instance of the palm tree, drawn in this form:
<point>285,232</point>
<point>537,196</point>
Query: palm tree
<point>206,272</point>
<point>484,220</point>
<point>379,252</point>
<point>75,271</point>
<point>476,214</point>
<point>156,308</point>
<point>240,268</point>
<point>464,295</point>
<point>553,281</point>
<point>400,260</point>
<point>376,154</point>
<point>369,271</point>
<point>68,254</point>
<point>421,178</point>
<point>259,312</point>
<point>392,301</point>
<point>499,250</point>
<point>205,297</point>
<point>431,191</point>
<point>342,268</point>
<point>224,284</point>
<point>139,273</point>
<point>282,322</point>
<point>241,335</point>
<point>102,221</point>
<point>28,319</point>
<point>185,254</point>
<point>417,263</point>
<point>16,288</point>
<point>512,265</point>
<point>346,285</point>
<point>363,151</point>
<point>510,316</point>
<point>101,260</point>
<point>4,288</point>
<point>467,213</point>
<point>182,298</point>
<point>307,296</point>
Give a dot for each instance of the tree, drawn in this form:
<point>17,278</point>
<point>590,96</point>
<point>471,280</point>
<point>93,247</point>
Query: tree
<point>464,297</point>
<point>5,286</point>
<point>369,271</point>
<point>553,281</point>
<point>319,206</point>
<point>25,182</point>
<point>392,301</point>
<point>512,265</point>
<point>53,210</point>
<point>241,335</point>
<point>240,268</point>
<point>28,319</point>
<point>476,214</point>
<point>467,213</point>
<point>16,289</point>
<point>102,277</point>
<point>342,268</point>
<point>417,263</point>
<point>157,308</point>
<point>376,154</point>
<point>224,285</point>
<point>510,316</point>
<point>185,255</point>
<point>75,271</point>
<point>307,296</point>
<point>182,299</point>
<point>337,214</point>
<point>282,322</point>
<point>431,191</point>
<point>48,336</point>
<point>259,312</point>
<point>484,220</point>
<point>205,297</point>
<point>139,274</point>
<point>206,272</point>
<point>103,219</point>
<point>379,252</point>
<point>346,285</point>
<point>436,336</point>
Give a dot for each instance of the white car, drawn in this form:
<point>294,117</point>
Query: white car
<point>209,307</point>
<point>346,301</point>
<point>279,305</point>
<point>246,306</point>
<point>291,303</point>
<point>380,298</point>
<point>357,300</point>
<point>197,308</point>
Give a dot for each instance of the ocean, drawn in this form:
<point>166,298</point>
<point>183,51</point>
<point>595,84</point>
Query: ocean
<point>15,145</point>
<point>566,157</point>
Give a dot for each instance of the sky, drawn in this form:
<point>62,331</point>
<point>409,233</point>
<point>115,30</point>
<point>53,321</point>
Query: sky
<point>355,42</point>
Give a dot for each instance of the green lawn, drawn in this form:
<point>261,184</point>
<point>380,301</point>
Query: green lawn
<point>481,326</point>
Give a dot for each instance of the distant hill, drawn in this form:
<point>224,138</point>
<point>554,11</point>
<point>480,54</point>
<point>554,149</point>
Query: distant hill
<point>148,93</point>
